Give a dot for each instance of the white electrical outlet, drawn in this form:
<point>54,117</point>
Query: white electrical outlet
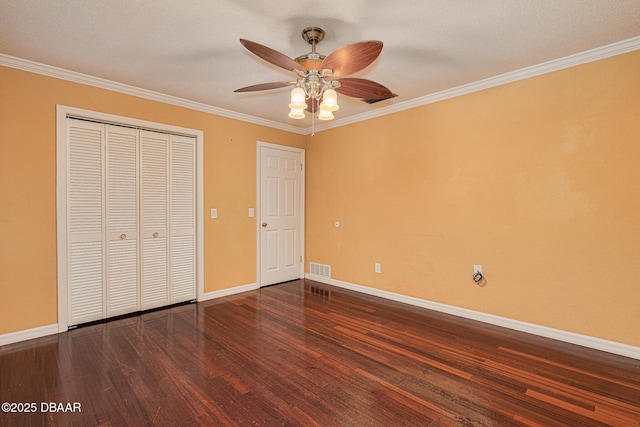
<point>214,213</point>
<point>377,268</point>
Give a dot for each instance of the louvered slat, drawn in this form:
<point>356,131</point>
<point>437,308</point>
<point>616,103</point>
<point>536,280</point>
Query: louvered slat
<point>122,187</point>
<point>182,183</point>
<point>86,284</point>
<point>123,286</point>
<point>85,177</point>
<point>154,181</point>
<point>154,273</point>
<point>182,268</point>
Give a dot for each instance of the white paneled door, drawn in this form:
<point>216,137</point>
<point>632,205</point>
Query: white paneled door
<point>281,207</point>
<point>132,234</point>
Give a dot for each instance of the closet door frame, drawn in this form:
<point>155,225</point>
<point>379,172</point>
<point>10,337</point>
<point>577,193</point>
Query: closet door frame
<point>62,113</point>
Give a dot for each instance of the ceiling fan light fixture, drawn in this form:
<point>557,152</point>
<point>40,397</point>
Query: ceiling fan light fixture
<point>330,100</point>
<point>298,99</point>
<point>317,75</point>
<point>297,113</point>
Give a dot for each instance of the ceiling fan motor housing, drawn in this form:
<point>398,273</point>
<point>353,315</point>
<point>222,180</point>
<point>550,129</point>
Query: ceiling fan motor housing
<point>313,59</point>
<point>313,35</point>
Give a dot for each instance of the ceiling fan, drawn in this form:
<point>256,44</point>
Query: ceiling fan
<point>320,77</point>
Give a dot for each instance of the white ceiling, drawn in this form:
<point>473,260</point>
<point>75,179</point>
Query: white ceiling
<point>190,49</point>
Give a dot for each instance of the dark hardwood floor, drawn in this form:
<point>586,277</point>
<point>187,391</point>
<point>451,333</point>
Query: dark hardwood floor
<point>303,353</point>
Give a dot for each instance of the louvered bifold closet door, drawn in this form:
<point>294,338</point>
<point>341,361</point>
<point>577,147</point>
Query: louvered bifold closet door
<point>182,219</point>
<point>131,203</point>
<point>154,210</point>
<point>85,251</point>
<point>122,220</point>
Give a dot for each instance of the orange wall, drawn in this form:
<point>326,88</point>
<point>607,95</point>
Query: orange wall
<point>28,292</point>
<point>537,180</point>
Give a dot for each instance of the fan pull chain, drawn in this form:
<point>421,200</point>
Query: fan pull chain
<point>313,112</point>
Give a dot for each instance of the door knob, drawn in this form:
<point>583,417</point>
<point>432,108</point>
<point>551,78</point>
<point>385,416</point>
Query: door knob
<point>155,234</point>
<point>264,224</point>
<point>123,236</point>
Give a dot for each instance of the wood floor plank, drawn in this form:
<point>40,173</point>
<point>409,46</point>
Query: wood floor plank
<point>307,354</point>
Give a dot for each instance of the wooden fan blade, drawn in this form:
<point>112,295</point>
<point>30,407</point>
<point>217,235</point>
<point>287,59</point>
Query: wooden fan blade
<point>363,88</point>
<point>352,58</point>
<point>264,86</point>
<point>272,56</point>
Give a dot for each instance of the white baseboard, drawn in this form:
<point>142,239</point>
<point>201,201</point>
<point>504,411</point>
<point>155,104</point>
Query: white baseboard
<point>226,292</point>
<point>28,334</point>
<point>42,331</point>
<point>557,334</point>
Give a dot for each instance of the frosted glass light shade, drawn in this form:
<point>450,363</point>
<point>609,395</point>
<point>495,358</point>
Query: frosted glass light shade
<point>297,113</point>
<point>330,100</point>
<point>297,99</point>
<point>325,114</point>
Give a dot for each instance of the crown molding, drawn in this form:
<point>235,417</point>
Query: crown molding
<point>596,54</point>
<point>72,76</point>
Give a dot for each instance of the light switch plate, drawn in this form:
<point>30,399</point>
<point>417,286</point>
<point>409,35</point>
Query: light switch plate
<point>251,213</point>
